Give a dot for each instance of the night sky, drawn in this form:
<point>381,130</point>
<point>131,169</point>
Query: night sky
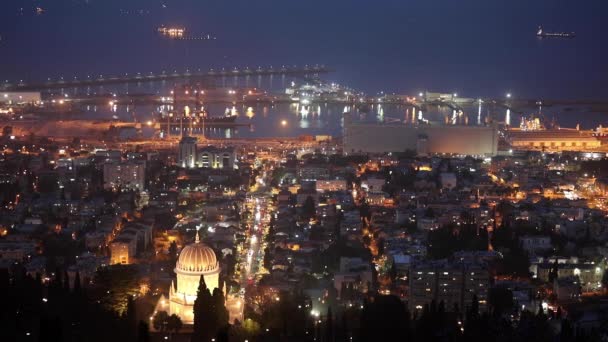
<point>473,47</point>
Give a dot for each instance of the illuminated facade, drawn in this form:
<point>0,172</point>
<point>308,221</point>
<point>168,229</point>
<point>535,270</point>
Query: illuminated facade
<point>331,185</point>
<point>217,158</point>
<point>187,152</point>
<point>122,251</point>
<point>172,32</point>
<point>424,139</point>
<point>553,140</point>
<point>194,261</point>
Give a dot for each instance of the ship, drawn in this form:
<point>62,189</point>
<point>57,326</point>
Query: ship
<point>543,34</point>
<point>172,32</point>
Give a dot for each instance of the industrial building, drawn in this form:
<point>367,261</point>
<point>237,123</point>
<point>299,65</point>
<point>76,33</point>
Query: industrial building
<point>21,97</point>
<point>424,139</point>
<point>553,140</point>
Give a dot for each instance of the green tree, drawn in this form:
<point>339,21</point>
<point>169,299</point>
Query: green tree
<point>173,251</point>
<point>329,326</point>
<point>219,306</point>
<point>308,208</point>
<point>500,300</point>
<point>204,321</point>
<point>77,286</point>
<point>267,258</point>
<point>115,284</point>
<point>174,323</point>
<point>159,321</point>
<point>143,332</point>
<point>251,327</point>
<point>131,316</point>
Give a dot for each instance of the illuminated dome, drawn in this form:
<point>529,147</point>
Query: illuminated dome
<point>197,257</point>
<point>195,261</point>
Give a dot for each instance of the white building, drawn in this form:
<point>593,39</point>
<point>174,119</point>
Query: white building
<point>438,139</point>
<point>187,152</point>
<point>195,260</point>
<point>217,158</point>
<point>122,250</point>
<point>330,185</point>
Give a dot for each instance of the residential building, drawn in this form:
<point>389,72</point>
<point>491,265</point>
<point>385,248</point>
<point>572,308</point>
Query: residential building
<point>128,175</point>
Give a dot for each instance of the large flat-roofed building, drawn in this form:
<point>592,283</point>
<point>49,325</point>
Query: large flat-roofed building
<point>553,140</point>
<point>20,97</point>
<point>425,139</point>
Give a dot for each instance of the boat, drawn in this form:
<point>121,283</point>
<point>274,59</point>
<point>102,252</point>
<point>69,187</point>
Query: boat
<point>543,34</point>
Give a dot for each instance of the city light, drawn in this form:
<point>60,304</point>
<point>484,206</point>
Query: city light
<point>333,192</point>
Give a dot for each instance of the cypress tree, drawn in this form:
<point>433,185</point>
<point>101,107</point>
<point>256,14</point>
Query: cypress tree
<point>203,322</point>
<point>77,287</point>
<point>219,304</point>
<point>343,291</point>
<point>143,332</point>
<point>66,282</point>
<point>131,317</point>
<point>329,326</point>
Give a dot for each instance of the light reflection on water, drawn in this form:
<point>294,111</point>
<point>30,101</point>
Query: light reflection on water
<point>264,120</point>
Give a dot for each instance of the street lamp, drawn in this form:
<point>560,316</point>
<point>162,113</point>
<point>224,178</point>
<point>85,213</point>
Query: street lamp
<point>508,95</point>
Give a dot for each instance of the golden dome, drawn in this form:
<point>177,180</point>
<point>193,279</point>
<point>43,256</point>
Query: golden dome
<point>197,257</point>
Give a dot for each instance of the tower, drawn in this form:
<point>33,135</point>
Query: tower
<point>187,152</point>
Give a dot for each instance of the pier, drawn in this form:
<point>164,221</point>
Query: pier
<point>307,72</point>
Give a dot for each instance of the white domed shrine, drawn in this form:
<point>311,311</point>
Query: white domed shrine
<point>195,259</point>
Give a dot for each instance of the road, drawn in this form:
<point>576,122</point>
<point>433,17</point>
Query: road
<point>259,205</point>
